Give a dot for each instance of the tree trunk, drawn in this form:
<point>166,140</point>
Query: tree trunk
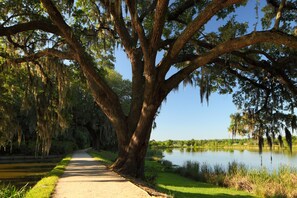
<point>130,160</point>
<point>131,155</point>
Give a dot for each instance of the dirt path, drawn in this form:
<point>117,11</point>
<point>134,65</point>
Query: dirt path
<point>85,177</point>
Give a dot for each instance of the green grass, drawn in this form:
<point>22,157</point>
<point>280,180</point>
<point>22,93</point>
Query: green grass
<point>45,187</point>
<point>106,157</point>
<point>11,191</point>
<point>176,185</point>
<point>180,187</point>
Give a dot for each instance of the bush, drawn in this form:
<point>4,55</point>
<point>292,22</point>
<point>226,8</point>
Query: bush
<point>167,165</point>
<point>154,154</point>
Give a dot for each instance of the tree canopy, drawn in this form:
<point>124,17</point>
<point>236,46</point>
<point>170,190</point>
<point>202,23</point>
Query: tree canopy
<point>259,61</point>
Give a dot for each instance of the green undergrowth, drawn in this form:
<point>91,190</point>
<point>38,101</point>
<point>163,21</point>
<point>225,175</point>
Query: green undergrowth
<point>160,175</point>
<point>45,187</point>
<point>8,190</point>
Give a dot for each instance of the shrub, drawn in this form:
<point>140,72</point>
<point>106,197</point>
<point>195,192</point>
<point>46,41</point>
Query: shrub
<point>154,154</point>
<point>167,165</point>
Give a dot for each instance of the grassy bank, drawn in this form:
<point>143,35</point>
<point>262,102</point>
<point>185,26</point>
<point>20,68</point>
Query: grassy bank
<point>281,183</point>
<point>172,183</point>
<point>45,187</point>
<point>12,191</point>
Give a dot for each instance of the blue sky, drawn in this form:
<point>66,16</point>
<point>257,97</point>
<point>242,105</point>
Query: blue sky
<point>182,116</point>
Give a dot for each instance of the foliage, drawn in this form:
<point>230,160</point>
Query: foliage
<point>9,191</point>
<point>45,186</point>
<point>31,105</point>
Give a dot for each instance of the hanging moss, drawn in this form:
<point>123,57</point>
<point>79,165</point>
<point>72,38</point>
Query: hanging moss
<point>289,139</point>
<point>260,144</point>
<point>269,140</point>
<point>280,140</point>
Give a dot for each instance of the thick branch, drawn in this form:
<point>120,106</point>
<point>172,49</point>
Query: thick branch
<point>32,25</point>
<point>212,9</point>
<point>120,25</point>
<point>139,29</point>
<point>159,21</point>
<point>230,46</point>
<point>43,53</point>
<point>279,14</point>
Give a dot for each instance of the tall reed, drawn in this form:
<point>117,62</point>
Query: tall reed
<point>280,183</point>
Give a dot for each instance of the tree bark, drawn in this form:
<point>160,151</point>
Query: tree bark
<point>131,157</point>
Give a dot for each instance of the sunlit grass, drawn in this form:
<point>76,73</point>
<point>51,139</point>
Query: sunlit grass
<point>45,187</point>
<point>172,183</point>
<point>106,157</point>
<point>179,187</point>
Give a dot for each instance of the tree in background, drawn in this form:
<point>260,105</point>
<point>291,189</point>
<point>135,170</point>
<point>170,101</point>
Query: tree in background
<point>87,32</point>
<point>41,113</point>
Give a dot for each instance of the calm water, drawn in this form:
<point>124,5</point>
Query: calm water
<point>250,158</point>
<point>25,172</point>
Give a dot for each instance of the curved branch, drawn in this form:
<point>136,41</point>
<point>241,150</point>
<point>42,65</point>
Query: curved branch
<point>192,28</point>
<point>230,46</point>
<point>32,25</point>
<point>138,28</point>
<point>159,21</point>
<point>279,14</point>
<point>40,54</point>
<point>120,25</point>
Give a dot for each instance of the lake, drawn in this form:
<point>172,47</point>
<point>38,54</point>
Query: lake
<point>251,158</point>
<point>25,171</point>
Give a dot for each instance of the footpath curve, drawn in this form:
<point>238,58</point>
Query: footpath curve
<point>86,178</point>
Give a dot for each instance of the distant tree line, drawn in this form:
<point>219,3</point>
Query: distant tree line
<point>216,143</point>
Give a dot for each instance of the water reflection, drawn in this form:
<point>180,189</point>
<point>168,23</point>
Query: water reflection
<point>26,172</point>
<point>251,158</point>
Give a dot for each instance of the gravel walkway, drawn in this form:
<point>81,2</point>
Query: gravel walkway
<point>85,177</point>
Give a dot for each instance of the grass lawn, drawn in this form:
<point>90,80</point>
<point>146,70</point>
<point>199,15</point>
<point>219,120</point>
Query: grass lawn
<point>180,187</point>
<point>176,185</point>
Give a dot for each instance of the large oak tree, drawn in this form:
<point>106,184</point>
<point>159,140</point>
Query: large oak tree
<point>87,32</point>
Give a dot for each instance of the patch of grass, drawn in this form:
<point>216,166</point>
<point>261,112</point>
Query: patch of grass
<point>106,157</point>
<point>180,187</point>
<point>45,187</point>
<point>11,191</point>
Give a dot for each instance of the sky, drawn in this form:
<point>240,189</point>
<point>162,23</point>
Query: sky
<point>182,116</point>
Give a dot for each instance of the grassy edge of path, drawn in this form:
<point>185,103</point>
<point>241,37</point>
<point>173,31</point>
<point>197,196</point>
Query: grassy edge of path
<point>174,184</point>
<point>45,187</point>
